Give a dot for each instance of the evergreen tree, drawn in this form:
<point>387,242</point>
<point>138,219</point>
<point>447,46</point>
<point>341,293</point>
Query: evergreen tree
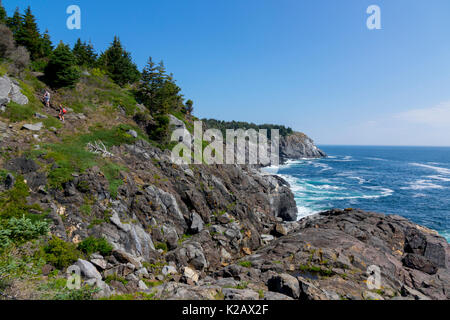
<point>61,70</point>
<point>189,106</point>
<point>118,64</point>
<point>84,54</point>
<point>157,90</point>
<point>46,44</point>
<point>3,15</point>
<point>28,35</point>
<point>14,23</point>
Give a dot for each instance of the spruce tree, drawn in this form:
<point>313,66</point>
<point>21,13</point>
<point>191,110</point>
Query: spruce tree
<point>157,90</point>
<point>14,23</point>
<point>84,54</point>
<point>61,70</point>
<point>118,64</point>
<point>46,44</point>
<point>3,15</point>
<point>28,35</point>
<point>189,106</point>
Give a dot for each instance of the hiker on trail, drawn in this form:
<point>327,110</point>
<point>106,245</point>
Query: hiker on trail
<point>47,98</point>
<point>62,111</point>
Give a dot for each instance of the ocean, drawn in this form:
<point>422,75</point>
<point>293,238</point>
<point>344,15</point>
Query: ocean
<point>413,182</point>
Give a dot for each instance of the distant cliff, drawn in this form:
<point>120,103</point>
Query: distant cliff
<point>293,145</point>
<point>297,146</point>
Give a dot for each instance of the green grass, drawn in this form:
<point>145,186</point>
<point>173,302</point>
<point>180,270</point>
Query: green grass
<point>16,112</point>
<point>115,277</point>
<point>315,269</point>
<point>245,264</point>
<point>71,156</point>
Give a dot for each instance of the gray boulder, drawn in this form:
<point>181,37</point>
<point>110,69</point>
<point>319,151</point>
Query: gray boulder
<point>10,91</point>
<point>285,284</point>
<point>196,222</point>
<point>33,127</point>
<point>88,270</point>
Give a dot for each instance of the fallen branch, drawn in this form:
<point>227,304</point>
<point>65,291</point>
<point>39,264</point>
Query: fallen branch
<point>99,147</point>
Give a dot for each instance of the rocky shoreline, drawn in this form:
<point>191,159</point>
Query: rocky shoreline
<point>229,232</point>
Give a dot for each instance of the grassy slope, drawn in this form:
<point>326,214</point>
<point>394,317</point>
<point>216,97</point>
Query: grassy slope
<point>108,111</point>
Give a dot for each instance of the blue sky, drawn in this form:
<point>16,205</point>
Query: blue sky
<point>311,65</point>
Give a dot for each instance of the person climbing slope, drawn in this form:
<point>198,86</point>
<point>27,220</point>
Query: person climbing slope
<point>62,112</point>
<point>47,98</point>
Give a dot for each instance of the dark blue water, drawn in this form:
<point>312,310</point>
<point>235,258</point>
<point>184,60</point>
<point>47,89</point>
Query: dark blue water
<point>413,182</point>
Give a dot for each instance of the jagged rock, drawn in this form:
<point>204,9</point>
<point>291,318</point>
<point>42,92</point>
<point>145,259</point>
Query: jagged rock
<point>99,262</point>
<point>10,91</point>
<point>419,262</point>
<point>240,294</point>
<point>33,127</point>
<point>191,274</point>
<point>285,284</point>
<point>142,286</point>
<point>124,257</point>
<point>298,146</point>
<point>167,270</point>
<point>132,277</point>
<point>88,271</point>
<point>175,122</point>
<point>142,273</point>
<point>196,222</point>
<point>191,253</point>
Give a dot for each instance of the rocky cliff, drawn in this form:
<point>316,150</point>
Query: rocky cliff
<point>299,146</point>
<point>192,231</point>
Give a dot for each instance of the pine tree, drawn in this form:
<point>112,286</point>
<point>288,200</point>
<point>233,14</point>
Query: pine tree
<point>28,35</point>
<point>84,54</point>
<point>14,23</point>
<point>3,15</point>
<point>61,70</point>
<point>118,64</point>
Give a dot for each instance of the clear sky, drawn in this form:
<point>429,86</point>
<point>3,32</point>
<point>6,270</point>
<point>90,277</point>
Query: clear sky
<point>311,65</point>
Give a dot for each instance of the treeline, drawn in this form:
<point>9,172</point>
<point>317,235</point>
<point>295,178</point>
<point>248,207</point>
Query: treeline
<point>224,125</point>
<point>62,65</point>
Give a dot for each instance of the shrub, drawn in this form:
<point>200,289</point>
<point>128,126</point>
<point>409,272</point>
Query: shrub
<point>61,254</point>
<point>13,202</point>
<point>16,112</point>
<point>91,245</point>
<point>21,230</point>
<point>7,44</point>
<point>84,293</point>
<point>162,246</point>
<point>21,60</point>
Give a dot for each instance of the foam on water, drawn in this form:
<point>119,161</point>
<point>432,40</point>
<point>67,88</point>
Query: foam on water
<point>414,184</point>
<point>440,170</point>
<point>422,184</point>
